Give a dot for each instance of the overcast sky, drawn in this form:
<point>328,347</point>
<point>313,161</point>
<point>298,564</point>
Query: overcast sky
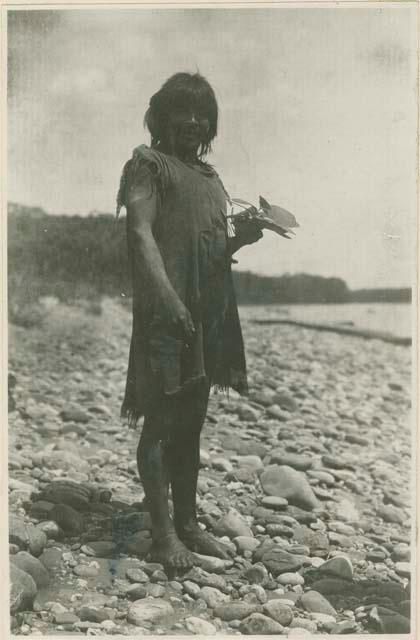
<point>318,113</point>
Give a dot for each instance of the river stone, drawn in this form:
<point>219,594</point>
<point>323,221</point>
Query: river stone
<point>213,597</point>
<point>294,460</point>
<point>134,574</point>
<point>26,562</point>
<point>247,413</point>
<point>92,614</point>
<point>279,612</point>
<point>346,511</point>
<point>303,623</point>
<point>68,492</point>
<point>277,560</point>
<point>390,621</point>
<point>236,610</point>
<point>339,566</point>
<point>155,590</point>
<point>212,564</point>
<point>401,553</point>
<point>221,464</point>
<point>101,548</point>
<point>389,513</point>
<point>85,571</point>
<point>232,525</point>
<point>243,447</point>
<point>403,569</point>
<point>154,611</point>
<point>22,590</point>
<point>250,462</point>
<point>205,579</point>
<point>245,543</point>
<point>292,579</point>
<point>41,509</point>
<point>285,482</point>
<point>331,586</point>
<point>74,414</point>
<point>198,626</point>
<point>67,617</point>
<point>66,461</point>
<point>26,536</point>
<point>70,521</point>
<point>260,625</point>
<point>136,592</point>
<point>256,574</point>
<point>285,401</point>
<point>274,502</point>
<point>314,602</point>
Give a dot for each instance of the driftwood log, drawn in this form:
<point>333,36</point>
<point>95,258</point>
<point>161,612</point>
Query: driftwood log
<point>367,334</point>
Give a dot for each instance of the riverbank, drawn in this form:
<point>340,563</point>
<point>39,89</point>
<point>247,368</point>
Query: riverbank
<point>326,427</point>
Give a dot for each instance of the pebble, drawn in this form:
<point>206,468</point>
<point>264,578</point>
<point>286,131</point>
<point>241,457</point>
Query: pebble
<point>136,592</point>
<point>136,575</point>
<point>85,571</point>
<point>389,513</point>
<point>277,560</point>
<point>291,579</point>
<point>154,611</point>
<point>213,597</point>
<point>198,626</point>
<point>303,623</point>
<point>191,589</point>
<point>66,617</point>
<point>259,624</point>
<point>274,502</point>
<point>155,590</point>
<point>236,610</point>
<point>68,519</point>
<point>245,543</point>
<point>403,569</point>
<point>315,602</point>
<point>26,562</point>
<point>339,566</point>
<point>232,525</point>
<point>22,590</point>
<point>256,574</point>
<point>294,460</point>
<point>279,612</point>
<point>221,464</point>
<point>286,482</point>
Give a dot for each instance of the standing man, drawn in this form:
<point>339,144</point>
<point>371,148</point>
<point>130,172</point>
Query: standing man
<point>186,334</point>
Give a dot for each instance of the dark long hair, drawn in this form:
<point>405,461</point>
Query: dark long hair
<point>182,89</point>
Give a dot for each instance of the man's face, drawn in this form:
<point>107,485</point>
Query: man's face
<point>189,127</point>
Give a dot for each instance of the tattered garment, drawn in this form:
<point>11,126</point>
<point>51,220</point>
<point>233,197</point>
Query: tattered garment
<point>192,236</point>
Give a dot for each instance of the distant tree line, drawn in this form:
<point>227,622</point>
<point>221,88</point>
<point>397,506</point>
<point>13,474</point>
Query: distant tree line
<point>86,257</point>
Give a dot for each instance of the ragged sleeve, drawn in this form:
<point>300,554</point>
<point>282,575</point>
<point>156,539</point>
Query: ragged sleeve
<point>147,168</point>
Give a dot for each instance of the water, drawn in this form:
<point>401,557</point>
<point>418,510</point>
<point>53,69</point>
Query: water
<point>395,319</point>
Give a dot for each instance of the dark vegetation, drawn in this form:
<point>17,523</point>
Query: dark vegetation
<point>73,257</point>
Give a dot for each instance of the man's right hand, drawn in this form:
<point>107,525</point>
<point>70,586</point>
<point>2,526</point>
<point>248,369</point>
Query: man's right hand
<point>175,316</point>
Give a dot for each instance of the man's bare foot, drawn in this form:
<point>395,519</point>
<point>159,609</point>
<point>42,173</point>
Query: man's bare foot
<point>172,553</point>
<point>202,542</point>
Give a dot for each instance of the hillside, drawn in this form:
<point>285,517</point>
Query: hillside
<point>85,257</point>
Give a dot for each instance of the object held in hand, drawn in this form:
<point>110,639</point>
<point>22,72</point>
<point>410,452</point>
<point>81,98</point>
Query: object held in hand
<point>268,216</point>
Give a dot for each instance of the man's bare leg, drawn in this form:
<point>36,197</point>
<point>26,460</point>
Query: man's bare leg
<point>152,465</point>
<point>184,456</point>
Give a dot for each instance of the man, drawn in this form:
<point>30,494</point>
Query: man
<point>186,332</point>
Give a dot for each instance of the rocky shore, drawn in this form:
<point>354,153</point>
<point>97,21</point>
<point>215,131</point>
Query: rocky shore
<point>308,480</point>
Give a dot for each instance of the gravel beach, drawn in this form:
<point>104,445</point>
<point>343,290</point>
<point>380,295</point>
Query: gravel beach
<point>308,480</point>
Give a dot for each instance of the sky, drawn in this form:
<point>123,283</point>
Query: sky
<point>318,113</point>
